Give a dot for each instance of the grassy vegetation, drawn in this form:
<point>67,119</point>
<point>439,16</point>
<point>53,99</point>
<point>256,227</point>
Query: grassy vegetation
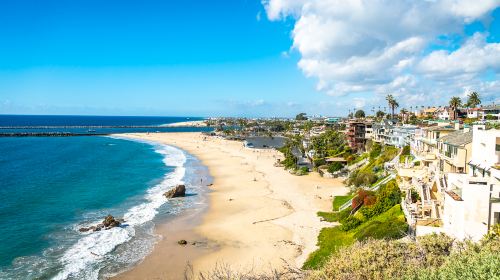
<point>339,200</point>
<point>380,216</point>
<point>370,173</point>
<point>329,216</point>
<point>390,224</point>
<point>433,257</point>
<point>405,153</point>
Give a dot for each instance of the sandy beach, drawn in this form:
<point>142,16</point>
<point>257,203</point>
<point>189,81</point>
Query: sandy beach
<point>187,124</point>
<point>258,215</point>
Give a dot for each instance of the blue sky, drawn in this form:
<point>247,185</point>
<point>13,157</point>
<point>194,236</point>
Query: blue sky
<point>197,58</point>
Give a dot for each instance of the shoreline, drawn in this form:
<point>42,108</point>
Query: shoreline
<point>258,216</point>
<point>200,123</point>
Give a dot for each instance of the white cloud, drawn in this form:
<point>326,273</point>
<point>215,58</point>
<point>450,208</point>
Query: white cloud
<point>474,56</point>
<point>379,46</point>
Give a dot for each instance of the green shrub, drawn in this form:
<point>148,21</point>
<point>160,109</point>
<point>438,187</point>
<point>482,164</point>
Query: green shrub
<point>432,257</point>
<point>334,167</point>
<point>319,161</point>
<point>375,151</point>
<point>414,196</point>
<point>387,196</point>
<point>350,223</point>
<point>362,178</point>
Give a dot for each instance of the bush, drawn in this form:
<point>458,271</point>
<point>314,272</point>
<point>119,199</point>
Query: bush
<point>431,257</point>
<point>414,196</point>
<point>406,151</point>
<point>369,200</point>
<point>390,224</point>
<point>319,161</point>
<point>362,178</point>
<point>334,167</point>
<point>387,196</point>
<point>350,223</point>
<point>375,150</point>
<point>304,170</point>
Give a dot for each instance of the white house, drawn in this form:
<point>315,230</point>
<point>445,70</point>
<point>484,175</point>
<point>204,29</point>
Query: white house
<point>443,113</point>
<point>472,201</point>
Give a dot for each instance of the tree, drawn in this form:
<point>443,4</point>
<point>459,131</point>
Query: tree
<point>393,104</point>
<point>473,99</point>
<point>380,114</point>
<point>301,117</point>
<point>404,114</point>
<point>359,114</point>
<point>455,102</point>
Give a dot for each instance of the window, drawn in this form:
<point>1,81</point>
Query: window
<point>497,147</point>
<point>496,218</point>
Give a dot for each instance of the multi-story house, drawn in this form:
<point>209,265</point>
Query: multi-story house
<point>454,151</point>
<point>443,113</point>
<point>356,134</point>
<point>427,113</point>
<point>472,200</point>
<point>388,134</point>
<point>424,144</point>
<point>493,111</point>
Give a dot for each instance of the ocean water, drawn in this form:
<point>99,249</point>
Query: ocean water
<point>52,186</point>
<point>80,124</point>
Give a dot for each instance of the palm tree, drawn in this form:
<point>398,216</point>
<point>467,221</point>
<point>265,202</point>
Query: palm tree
<point>473,99</point>
<point>393,104</point>
<point>455,102</point>
<point>403,113</point>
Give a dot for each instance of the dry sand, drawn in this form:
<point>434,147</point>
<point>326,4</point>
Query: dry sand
<point>258,215</point>
<point>187,124</point>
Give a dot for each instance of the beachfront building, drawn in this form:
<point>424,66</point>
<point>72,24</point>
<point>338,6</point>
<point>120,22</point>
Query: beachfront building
<point>462,205</point>
<point>491,112</point>
<point>443,113</point>
<point>424,145</point>
<point>427,113</point>
<point>454,151</point>
<point>472,200</point>
<point>387,133</point>
<point>356,134</point>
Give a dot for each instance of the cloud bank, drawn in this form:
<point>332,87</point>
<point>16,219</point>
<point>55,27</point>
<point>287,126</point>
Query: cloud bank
<point>408,48</point>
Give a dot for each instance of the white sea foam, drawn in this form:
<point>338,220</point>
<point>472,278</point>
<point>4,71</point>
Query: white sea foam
<point>83,259</point>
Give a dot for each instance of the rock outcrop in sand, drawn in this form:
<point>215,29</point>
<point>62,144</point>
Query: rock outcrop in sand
<point>178,191</point>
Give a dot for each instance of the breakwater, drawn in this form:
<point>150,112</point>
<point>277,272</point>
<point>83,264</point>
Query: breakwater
<point>81,126</point>
<point>48,134</point>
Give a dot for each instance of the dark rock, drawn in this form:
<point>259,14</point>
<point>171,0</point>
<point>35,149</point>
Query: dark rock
<point>178,191</point>
<point>110,222</point>
<point>182,242</point>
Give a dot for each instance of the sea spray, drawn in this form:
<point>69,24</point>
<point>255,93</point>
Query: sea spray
<point>97,255</point>
<point>82,259</point>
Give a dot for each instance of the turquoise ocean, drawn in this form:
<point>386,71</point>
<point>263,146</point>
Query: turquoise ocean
<point>52,186</point>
